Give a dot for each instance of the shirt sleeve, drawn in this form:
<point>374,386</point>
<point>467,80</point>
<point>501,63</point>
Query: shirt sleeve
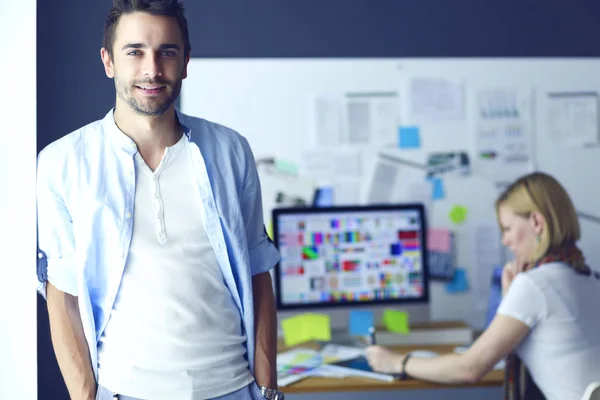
<point>262,251</point>
<point>56,246</point>
<point>524,301</point>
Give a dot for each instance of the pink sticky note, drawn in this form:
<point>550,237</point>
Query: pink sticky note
<point>438,239</point>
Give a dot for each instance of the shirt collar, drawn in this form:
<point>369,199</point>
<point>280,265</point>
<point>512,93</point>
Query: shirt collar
<point>124,141</point>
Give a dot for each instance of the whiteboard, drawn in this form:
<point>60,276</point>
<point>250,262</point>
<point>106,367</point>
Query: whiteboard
<point>270,102</point>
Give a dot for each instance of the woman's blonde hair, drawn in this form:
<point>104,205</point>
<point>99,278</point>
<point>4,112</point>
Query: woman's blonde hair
<point>542,193</point>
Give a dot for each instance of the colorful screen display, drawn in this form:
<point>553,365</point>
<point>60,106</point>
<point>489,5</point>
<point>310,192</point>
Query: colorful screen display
<point>334,256</point>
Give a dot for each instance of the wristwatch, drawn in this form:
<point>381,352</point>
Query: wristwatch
<point>270,394</point>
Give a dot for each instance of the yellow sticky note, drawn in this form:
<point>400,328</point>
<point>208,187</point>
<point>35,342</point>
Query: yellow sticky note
<point>320,327</point>
<point>306,327</point>
<point>294,331</point>
<point>458,214</point>
<point>396,321</point>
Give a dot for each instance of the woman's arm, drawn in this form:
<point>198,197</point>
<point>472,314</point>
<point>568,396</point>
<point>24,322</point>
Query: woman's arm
<point>503,335</point>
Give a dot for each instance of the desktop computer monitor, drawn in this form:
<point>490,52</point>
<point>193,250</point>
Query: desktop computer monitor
<point>350,256</point>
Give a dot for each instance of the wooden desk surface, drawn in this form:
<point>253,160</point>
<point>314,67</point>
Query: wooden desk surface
<point>358,384</point>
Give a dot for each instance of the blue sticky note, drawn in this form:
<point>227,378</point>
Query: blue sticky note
<point>437,189</point>
<point>360,322</point>
<point>409,137</point>
<point>459,283</point>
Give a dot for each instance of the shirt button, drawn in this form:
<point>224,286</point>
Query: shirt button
<point>40,255</point>
<point>128,215</point>
<point>210,204</point>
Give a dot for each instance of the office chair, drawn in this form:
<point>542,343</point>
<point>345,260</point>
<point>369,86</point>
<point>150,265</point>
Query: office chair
<point>592,392</point>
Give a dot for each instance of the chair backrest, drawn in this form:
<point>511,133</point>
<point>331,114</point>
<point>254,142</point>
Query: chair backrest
<point>592,392</point>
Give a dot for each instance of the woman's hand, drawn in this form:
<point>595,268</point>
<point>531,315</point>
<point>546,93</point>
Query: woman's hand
<point>510,271</point>
<point>383,360</point>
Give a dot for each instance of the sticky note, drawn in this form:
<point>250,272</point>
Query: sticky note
<point>320,327</point>
<point>438,239</point>
<point>458,214</point>
<point>305,328</point>
<point>286,166</point>
<point>360,322</point>
<point>459,282</point>
<point>437,189</point>
<point>409,137</point>
<point>396,321</point>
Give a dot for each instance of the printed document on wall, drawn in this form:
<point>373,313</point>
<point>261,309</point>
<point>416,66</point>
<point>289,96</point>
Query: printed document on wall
<point>573,119</point>
<point>327,121</point>
<point>338,168</point>
<point>487,255</point>
<point>434,99</point>
<point>503,134</point>
<point>383,183</point>
<point>372,117</point>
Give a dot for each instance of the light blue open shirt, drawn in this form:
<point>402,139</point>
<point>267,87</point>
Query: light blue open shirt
<point>85,197</point>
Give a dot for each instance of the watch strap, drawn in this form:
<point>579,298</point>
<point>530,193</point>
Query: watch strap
<point>403,374</point>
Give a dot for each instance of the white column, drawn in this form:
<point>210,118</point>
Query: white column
<point>18,364</point>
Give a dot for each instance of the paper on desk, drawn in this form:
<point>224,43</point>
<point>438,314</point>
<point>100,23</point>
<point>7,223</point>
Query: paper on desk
<point>335,352</point>
<point>296,364</point>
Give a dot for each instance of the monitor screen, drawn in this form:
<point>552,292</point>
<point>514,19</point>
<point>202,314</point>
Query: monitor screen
<point>350,255</point>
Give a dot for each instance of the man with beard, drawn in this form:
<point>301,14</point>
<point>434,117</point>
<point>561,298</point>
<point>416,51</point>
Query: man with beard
<point>152,254</point>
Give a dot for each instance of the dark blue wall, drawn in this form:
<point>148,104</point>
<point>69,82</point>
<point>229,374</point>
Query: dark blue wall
<point>73,90</point>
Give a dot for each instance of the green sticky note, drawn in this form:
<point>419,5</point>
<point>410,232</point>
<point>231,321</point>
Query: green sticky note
<point>305,328</point>
<point>286,166</point>
<point>458,214</point>
<point>396,321</point>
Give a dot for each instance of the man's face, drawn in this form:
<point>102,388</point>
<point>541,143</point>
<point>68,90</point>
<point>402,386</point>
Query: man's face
<point>148,62</point>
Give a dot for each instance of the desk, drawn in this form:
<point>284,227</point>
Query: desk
<point>492,380</point>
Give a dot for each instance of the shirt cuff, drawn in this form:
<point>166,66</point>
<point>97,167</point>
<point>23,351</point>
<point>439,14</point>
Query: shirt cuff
<point>61,274</point>
<point>263,256</point>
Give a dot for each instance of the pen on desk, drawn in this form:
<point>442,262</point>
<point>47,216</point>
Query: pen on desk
<point>372,335</point>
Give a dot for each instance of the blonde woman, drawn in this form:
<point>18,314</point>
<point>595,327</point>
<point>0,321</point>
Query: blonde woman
<point>548,316</point>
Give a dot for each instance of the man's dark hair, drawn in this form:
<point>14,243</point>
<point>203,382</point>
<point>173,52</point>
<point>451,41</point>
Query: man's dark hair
<point>167,8</point>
